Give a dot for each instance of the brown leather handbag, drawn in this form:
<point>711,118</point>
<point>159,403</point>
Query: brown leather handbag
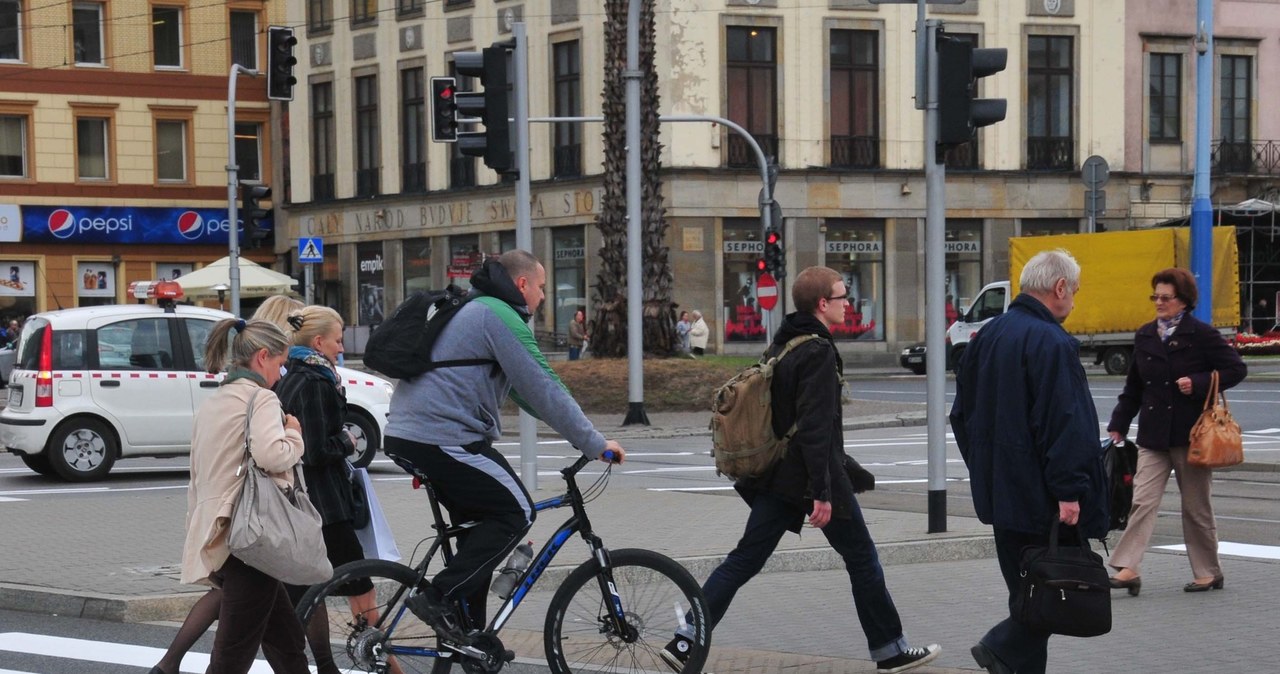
<point>1215,439</point>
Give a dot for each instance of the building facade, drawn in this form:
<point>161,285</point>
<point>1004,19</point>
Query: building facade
<point>113,142</point>
<point>825,89</point>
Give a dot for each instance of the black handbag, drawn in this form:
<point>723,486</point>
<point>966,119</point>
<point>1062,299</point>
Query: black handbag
<point>1121,464</point>
<point>359,500</point>
<point>1063,590</point>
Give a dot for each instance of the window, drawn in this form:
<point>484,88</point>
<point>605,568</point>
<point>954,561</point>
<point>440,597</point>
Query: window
<point>569,270</point>
<point>86,33</point>
<point>323,141</point>
<point>963,250</point>
<point>92,148</point>
<point>1235,94</point>
<point>567,62</point>
<point>462,169</point>
<point>249,150</point>
<point>855,104</point>
<point>413,144</point>
<point>166,34</point>
<point>171,151</point>
<point>855,248</point>
<point>142,344</point>
<point>364,11</point>
<point>198,332</point>
<point>367,154</point>
<point>416,265</point>
<point>1165,90</point>
<point>739,307</point>
<point>10,30</point>
<point>244,39</point>
<point>752,77</point>
<point>95,283</point>
<point>1049,102</point>
<point>319,15</point>
<point>13,146</point>
<point>408,7</point>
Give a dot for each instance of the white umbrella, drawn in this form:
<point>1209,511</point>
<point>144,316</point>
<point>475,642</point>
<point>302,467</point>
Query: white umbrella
<point>255,280</point>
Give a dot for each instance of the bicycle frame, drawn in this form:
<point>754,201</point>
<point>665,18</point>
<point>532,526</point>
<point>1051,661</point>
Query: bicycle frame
<point>578,522</point>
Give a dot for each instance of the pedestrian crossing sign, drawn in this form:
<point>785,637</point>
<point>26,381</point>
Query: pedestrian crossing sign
<point>311,250</point>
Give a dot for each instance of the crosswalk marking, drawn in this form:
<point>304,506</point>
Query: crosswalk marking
<point>1235,550</point>
<point>105,652</point>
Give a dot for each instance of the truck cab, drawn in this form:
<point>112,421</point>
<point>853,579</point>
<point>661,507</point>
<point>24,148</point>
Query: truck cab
<point>992,301</point>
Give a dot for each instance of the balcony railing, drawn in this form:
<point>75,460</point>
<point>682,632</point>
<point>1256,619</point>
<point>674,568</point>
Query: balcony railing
<point>963,156</point>
<point>462,171</point>
<point>1254,157</point>
<point>367,182</point>
<point>413,177</point>
<point>322,187</point>
<point>1050,154</point>
<point>855,152</point>
<point>740,154</point>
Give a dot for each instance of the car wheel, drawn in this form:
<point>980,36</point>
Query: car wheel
<point>368,438</point>
<point>39,463</point>
<point>917,369</point>
<point>82,450</point>
<point>1116,360</point>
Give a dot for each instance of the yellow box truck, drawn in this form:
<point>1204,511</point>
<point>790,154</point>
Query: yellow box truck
<point>1115,282</point>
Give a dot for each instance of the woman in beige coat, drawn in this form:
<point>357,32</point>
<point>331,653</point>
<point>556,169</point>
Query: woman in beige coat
<point>255,610</point>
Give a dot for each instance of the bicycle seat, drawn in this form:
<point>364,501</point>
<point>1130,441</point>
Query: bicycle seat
<point>408,467</point>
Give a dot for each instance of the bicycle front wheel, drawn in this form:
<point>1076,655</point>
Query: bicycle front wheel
<point>363,643</point>
<point>657,597</point>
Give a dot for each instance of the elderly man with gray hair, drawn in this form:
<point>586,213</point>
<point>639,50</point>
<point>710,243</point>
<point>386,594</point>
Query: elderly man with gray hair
<point>1026,426</point>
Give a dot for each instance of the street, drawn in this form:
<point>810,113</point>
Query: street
<point>123,534</point>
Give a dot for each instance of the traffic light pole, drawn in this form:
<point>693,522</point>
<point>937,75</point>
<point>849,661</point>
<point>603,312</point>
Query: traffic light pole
<point>935,174</point>
<point>524,228</point>
<point>233,234</point>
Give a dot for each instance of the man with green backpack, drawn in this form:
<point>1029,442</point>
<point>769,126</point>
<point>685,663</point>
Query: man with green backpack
<point>810,477</point>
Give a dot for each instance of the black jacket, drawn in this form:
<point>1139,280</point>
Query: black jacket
<point>1165,415</point>
<point>320,406</point>
<point>806,391</point>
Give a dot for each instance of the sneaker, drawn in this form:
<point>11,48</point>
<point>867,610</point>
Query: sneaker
<point>676,653</point>
<point>430,607</point>
<point>908,659</point>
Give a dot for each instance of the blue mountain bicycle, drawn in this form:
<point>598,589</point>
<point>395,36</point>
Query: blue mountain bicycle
<point>614,613</point>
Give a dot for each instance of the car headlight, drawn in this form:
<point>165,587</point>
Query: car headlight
<point>389,389</point>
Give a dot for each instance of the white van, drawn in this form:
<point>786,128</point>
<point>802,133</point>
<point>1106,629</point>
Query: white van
<point>96,384</point>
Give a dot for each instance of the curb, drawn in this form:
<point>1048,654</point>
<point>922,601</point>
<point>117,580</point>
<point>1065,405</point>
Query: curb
<point>174,607</point>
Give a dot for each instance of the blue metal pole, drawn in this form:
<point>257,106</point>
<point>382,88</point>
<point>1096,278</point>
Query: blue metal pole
<point>1201,209</point>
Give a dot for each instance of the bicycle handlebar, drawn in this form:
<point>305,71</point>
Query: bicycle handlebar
<point>571,470</point>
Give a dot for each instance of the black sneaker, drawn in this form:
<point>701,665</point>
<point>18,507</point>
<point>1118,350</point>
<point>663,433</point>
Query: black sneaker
<point>430,607</point>
<point>676,653</point>
<point>908,659</point>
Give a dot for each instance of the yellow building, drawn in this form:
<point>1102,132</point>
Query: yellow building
<point>113,141</point>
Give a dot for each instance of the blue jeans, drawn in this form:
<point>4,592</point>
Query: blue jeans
<point>1023,649</point>
<point>575,352</point>
<point>769,519</point>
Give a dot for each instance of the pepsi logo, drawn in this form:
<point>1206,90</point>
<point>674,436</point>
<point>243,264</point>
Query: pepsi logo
<point>62,223</point>
<point>190,225</point>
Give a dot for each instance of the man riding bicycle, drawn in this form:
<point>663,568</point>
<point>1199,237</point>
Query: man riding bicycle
<point>444,422</point>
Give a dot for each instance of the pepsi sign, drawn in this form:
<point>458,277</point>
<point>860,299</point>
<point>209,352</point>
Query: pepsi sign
<point>109,224</point>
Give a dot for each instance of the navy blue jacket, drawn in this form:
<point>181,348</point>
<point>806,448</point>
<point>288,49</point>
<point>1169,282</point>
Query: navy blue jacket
<point>1165,415</point>
<point>1026,425</point>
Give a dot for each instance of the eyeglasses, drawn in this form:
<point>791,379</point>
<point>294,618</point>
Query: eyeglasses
<point>1163,298</point>
<point>839,298</point>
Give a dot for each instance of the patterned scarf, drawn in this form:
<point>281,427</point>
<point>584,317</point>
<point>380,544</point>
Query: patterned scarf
<point>1168,325</point>
<point>312,357</point>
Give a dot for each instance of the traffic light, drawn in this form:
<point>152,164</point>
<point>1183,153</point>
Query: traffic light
<point>444,109</point>
<point>252,213</point>
<point>280,62</point>
<point>489,107</point>
<point>773,257</point>
<point>960,66</point>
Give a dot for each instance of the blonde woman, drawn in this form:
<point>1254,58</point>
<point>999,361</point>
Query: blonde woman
<point>310,389</point>
<point>253,608</point>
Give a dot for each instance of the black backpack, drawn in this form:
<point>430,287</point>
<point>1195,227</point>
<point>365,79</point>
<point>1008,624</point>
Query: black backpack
<point>1121,464</point>
<point>400,348</point>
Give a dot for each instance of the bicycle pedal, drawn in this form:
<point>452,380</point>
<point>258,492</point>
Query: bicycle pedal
<point>508,656</point>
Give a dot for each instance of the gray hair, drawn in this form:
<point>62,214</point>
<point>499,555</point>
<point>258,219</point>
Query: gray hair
<point>1045,268</point>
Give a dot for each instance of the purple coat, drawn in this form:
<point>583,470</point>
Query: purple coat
<point>1165,415</point>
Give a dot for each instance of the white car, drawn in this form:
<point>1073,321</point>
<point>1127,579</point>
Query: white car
<point>96,384</point>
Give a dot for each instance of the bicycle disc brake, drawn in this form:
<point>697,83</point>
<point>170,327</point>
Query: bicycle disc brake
<point>364,645</point>
<point>485,655</point>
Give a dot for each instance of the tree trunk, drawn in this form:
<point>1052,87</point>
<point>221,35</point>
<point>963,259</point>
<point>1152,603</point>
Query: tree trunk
<point>609,318</point>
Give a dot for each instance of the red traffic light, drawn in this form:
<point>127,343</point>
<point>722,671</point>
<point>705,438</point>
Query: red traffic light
<point>772,238</point>
<point>446,93</point>
<point>761,265</point>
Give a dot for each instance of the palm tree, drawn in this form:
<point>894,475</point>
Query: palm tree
<point>609,323</point>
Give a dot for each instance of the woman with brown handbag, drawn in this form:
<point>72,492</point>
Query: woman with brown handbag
<point>1174,358</point>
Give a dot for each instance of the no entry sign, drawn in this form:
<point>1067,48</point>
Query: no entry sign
<point>767,292</point>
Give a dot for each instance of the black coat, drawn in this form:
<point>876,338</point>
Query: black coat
<point>806,391</point>
<point>1026,425</point>
<point>1165,415</point>
<point>320,406</point>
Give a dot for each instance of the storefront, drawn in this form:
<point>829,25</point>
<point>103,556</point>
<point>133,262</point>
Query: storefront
<point>855,248</point>
<point>739,309</point>
<point>568,285</point>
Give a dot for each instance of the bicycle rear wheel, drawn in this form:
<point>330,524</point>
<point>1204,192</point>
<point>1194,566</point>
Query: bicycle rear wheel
<point>360,643</point>
<point>657,595</point>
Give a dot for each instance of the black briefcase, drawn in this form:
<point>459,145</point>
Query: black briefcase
<point>1063,590</point>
